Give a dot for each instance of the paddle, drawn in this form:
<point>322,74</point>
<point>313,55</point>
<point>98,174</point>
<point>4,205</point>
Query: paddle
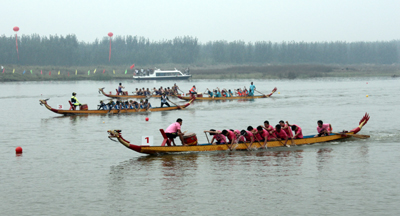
<point>180,107</point>
<point>360,136</point>
<point>207,137</point>
<point>261,93</point>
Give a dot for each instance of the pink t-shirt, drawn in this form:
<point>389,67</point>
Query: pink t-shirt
<point>231,136</point>
<point>262,135</point>
<point>241,138</point>
<point>300,136</point>
<point>282,134</point>
<point>219,137</point>
<point>173,128</point>
<point>248,136</point>
<point>324,127</point>
<point>288,131</point>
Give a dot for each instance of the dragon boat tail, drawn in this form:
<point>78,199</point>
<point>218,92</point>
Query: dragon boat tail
<point>163,149</point>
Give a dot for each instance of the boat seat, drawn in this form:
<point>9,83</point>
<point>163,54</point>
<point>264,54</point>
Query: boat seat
<point>166,139</point>
<point>72,107</point>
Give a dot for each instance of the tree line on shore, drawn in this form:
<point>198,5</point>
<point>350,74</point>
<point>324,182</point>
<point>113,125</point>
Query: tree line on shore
<point>125,50</point>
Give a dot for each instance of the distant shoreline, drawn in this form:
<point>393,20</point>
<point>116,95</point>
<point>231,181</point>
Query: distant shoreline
<point>208,72</point>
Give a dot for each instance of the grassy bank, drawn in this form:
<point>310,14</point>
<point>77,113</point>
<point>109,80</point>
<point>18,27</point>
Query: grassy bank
<point>200,72</point>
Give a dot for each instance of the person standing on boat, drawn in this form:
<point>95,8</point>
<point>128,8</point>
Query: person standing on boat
<point>164,99</point>
<point>74,100</point>
<point>252,88</point>
<point>323,129</point>
<point>174,130</point>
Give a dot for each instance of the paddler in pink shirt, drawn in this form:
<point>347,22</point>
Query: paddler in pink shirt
<point>239,137</point>
<point>231,137</point>
<point>281,134</point>
<point>323,129</point>
<point>262,136</point>
<point>248,136</point>
<point>297,130</point>
<point>270,129</point>
<point>217,136</point>
<point>287,130</point>
<point>174,130</point>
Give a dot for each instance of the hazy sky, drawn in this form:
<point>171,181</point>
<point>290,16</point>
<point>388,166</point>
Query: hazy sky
<point>208,20</point>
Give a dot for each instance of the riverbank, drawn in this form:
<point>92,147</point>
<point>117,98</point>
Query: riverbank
<point>38,73</point>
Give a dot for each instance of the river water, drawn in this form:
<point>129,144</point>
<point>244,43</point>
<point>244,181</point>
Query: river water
<point>70,167</point>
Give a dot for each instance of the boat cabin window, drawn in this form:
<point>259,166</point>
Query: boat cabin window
<point>168,74</point>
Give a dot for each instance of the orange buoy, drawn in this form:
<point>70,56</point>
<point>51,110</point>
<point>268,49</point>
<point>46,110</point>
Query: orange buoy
<point>147,118</point>
<point>18,150</point>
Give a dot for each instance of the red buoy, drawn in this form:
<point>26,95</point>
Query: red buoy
<point>147,118</point>
<point>18,150</point>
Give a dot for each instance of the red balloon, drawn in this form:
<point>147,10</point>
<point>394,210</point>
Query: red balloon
<point>110,34</point>
<point>16,28</point>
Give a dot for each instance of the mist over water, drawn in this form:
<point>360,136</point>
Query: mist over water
<point>70,167</point>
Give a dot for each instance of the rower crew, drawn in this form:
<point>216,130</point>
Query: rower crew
<point>239,137</point>
<point>193,90</point>
<point>174,130</point>
<point>262,135</point>
<point>252,88</point>
<point>74,100</point>
<point>217,136</point>
<point>297,130</point>
<point>249,136</point>
<point>270,129</point>
<point>280,134</point>
<point>231,137</point>
<point>102,106</point>
<point>164,99</point>
<point>287,130</point>
<point>120,92</point>
<point>323,129</point>
<point>218,93</point>
<point>210,93</point>
<point>245,92</point>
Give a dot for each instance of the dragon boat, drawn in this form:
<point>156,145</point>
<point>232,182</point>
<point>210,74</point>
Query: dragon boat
<point>166,147</point>
<point>84,111</point>
<point>117,96</point>
<point>200,97</point>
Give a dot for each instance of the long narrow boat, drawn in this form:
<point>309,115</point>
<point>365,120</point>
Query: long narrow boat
<point>85,112</point>
<point>228,98</point>
<point>101,90</point>
<point>242,146</point>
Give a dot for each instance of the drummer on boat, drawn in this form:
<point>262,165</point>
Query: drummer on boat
<point>120,92</point>
<point>174,130</point>
<point>193,90</point>
<point>74,100</point>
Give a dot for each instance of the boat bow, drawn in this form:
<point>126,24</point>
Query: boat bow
<point>126,143</point>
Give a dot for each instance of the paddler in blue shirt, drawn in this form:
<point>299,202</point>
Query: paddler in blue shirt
<point>218,93</point>
<point>210,93</point>
<point>252,88</point>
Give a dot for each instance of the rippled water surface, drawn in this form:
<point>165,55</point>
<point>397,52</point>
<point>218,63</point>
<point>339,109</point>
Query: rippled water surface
<point>70,167</point>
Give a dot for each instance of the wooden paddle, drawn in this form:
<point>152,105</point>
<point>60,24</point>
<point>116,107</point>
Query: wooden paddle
<point>360,136</point>
<point>180,107</point>
<point>261,93</point>
<point>207,137</point>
